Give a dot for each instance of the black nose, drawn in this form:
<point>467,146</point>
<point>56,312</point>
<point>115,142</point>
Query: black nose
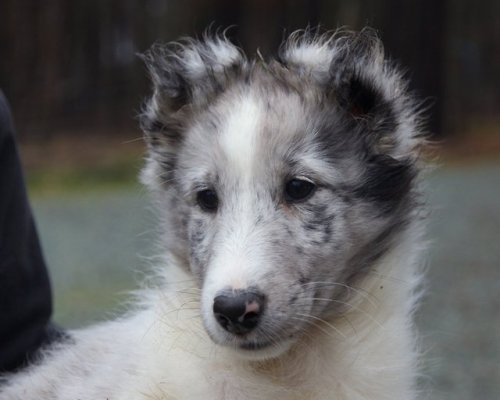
<point>239,311</point>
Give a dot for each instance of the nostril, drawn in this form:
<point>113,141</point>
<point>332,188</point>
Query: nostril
<point>249,320</point>
<point>222,320</point>
<point>238,312</point>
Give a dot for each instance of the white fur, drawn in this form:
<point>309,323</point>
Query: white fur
<point>221,54</point>
<point>161,352</point>
<point>238,138</point>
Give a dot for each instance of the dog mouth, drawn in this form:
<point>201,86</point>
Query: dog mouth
<point>245,344</point>
<point>262,350</point>
<point>252,346</point>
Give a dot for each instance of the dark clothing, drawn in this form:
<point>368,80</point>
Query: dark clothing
<point>25,296</point>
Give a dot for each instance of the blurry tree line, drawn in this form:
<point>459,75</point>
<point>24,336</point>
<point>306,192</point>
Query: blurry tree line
<point>67,64</point>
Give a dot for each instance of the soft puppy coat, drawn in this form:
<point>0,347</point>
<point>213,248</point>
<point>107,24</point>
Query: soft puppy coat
<point>288,195</point>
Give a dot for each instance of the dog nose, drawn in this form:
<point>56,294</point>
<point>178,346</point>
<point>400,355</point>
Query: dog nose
<point>238,312</point>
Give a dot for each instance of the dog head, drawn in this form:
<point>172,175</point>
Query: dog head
<point>281,182</point>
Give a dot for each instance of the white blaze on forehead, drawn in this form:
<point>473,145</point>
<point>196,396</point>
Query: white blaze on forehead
<point>239,135</point>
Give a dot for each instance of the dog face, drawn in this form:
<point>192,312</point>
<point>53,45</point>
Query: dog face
<point>284,181</point>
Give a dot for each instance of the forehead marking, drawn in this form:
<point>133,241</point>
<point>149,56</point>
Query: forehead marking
<point>239,135</point>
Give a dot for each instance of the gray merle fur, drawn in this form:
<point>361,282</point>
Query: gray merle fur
<point>352,111</point>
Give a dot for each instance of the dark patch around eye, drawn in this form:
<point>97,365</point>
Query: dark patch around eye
<point>386,181</point>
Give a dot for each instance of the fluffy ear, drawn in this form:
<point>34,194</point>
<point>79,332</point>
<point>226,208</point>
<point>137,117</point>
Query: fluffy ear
<point>185,74</point>
<point>355,74</point>
<point>358,77</point>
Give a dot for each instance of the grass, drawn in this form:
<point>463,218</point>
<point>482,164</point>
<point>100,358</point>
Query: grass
<point>90,303</point>
<point>50,181</point>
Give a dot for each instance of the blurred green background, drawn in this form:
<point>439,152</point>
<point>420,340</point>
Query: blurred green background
<point>75,85</point>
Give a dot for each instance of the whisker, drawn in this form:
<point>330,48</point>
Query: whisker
<point>322,321</point>
<point>363,293</point>
<point>315,324</point>
<point>137,139</point>
<point>352,306</point>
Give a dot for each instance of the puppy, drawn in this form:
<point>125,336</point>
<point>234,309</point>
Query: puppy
<point>289,199</point>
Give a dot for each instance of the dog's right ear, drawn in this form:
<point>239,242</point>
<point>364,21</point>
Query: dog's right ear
<point>185,75</point>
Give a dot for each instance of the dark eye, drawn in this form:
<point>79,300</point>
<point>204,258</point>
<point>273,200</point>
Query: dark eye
<point>207,200</point>
<point>298,190</point>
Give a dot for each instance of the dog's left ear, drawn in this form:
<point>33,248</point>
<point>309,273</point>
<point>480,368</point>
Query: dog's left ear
<point>357,78</point>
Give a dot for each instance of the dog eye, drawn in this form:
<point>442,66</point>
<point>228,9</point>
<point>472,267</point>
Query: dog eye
<point>298,190</point>
<point>207,200</point>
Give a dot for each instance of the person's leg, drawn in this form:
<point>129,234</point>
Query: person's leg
<point>25,296</point>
